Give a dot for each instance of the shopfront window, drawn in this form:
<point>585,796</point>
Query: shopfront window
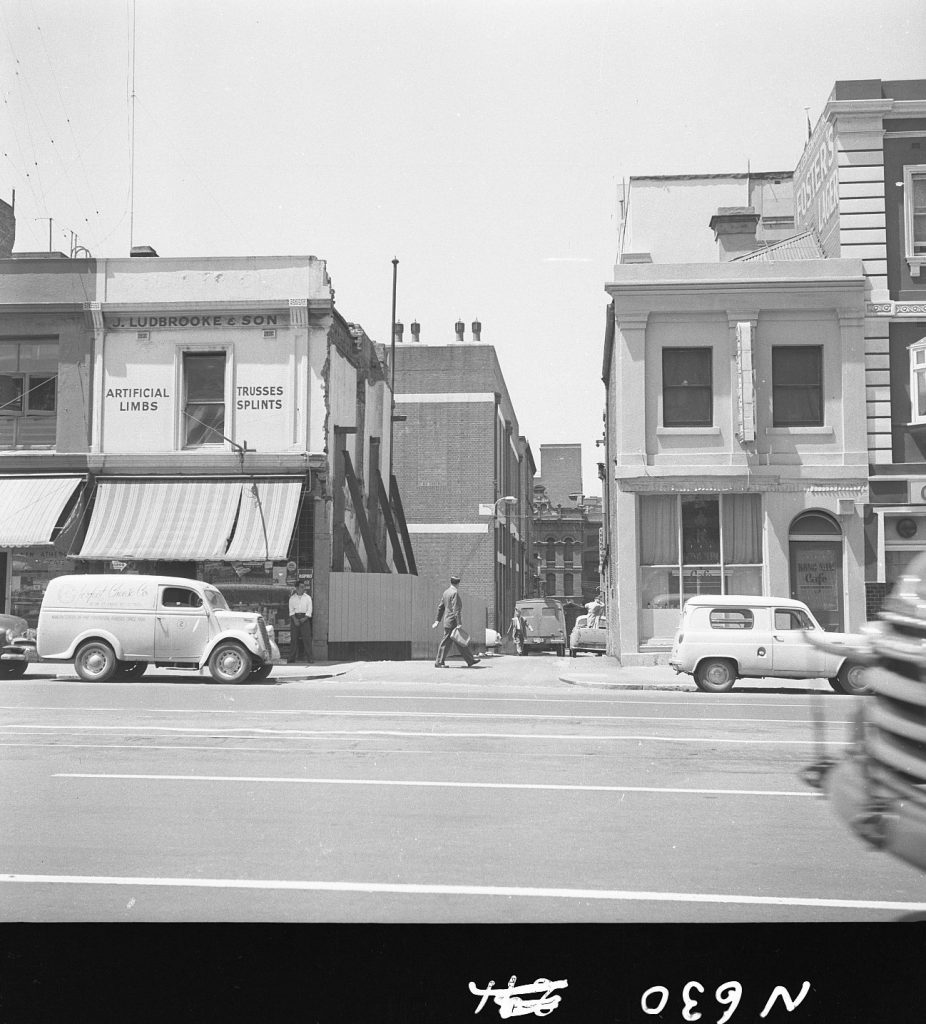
<point>699,544</point>
<point>28,392</point>
<point>30,571</point>
<point>204,398</point>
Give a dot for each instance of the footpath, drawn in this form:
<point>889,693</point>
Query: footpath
<point>607,673</point>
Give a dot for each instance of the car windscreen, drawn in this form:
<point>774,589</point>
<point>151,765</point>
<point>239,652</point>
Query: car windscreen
<point>216,600</point>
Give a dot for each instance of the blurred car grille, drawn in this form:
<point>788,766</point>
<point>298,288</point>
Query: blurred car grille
<point>264,635</point>
<point>894,718</point>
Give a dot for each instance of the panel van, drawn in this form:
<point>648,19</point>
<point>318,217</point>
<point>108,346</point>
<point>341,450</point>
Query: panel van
<point>542,626</point>
<point>721,639</point>
<point>113,627</point>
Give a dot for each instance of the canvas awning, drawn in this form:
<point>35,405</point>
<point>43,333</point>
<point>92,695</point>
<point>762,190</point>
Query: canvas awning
<point>30,507</point>
<point>192,519</point>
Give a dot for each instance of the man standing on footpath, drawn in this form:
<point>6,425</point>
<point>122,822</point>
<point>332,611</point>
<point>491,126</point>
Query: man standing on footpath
<point>450,610</point>
<point>300,620</point>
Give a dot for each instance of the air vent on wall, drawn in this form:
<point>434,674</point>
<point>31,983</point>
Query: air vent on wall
<point>270,334</point>
<point>143,336</point>
<point>916,490</point>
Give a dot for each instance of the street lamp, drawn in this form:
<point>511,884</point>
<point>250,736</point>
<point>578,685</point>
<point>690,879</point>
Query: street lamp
<point>507,500</point>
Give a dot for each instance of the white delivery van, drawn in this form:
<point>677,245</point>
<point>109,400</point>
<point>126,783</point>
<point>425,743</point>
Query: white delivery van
<point>113,627</point>
<point>722,639</point>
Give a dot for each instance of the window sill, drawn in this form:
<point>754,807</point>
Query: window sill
<point>791,431</point>
<point>687,431</point>
<point>916,264</point>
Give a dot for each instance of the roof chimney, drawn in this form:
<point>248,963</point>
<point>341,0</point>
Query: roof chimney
<point>142,250</point>
<point>734,230</point>
<point>416,331</point>
<point>459,327</point>
<point>399,331</point>
<point>477,331</point>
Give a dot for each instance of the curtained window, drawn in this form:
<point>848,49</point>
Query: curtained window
<point>659,529</point>
<point>742,529</point>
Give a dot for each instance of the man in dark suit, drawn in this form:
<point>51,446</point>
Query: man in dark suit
<point>450,610</point>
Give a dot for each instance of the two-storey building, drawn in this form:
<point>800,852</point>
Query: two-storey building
<point>735,453</point>
<point>214,418</point>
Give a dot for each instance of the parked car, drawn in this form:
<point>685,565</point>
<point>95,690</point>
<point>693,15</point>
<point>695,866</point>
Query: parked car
<point>544,626</point>
<point>115,626</point>
<point>17,648</point>
<point>722,639</point>
<point>593,640</point>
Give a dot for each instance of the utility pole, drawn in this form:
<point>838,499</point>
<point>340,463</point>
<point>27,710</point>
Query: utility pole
<point>395,272</point>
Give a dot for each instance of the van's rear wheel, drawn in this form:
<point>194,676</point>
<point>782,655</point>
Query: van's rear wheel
<point>230,663</point>
<point>715,675</point>
<point>95,661</point>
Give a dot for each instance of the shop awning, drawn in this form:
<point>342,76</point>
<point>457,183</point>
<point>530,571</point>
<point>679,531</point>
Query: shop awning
<point>265,520</point>
<point>191,519</point>
<point>30,507</point>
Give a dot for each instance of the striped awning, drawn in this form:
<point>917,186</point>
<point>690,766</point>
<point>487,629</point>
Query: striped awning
<point>30,507</point>
<point>192,520</point>
<point>265,520</point>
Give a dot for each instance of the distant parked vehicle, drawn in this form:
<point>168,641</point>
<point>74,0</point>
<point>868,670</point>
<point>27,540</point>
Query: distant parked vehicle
<point>115,626</point>
<point>592,639</point>
<point>17,648</point>
<point>544,626</point>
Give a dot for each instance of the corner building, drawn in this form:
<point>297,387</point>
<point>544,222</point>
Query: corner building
<point>214,418</point>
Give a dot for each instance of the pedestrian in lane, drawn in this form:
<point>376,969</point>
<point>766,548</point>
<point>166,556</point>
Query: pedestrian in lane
<point>450,611</point>
<point>300,620</point>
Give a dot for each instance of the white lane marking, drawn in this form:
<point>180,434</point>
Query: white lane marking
<point>289,733</point>
<point>507,891</point>
<point>437,784</point>
<point>494,715</point>
<point>702,702</point>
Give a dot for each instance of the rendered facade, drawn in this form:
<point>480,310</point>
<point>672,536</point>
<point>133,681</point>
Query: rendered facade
<point>214,418</point>
<point>735,457</point>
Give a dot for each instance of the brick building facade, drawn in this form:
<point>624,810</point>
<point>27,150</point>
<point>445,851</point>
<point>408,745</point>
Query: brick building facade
<point>457,453</point>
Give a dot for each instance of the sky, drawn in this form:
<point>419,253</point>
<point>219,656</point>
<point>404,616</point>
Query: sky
<point>482,143</point>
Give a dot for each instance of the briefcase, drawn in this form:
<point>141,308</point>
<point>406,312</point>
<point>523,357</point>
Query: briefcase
<point>460,636</point>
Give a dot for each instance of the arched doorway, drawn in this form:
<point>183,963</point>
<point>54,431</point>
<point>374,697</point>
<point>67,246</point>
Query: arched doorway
<point>815,543</point>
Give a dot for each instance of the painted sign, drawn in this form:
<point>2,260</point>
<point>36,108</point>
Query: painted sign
<point>146,323</point>
<point>817,576</point>
<point>816,181</point>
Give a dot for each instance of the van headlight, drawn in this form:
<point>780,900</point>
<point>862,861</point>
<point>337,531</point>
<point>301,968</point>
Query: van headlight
<point>6,636</point>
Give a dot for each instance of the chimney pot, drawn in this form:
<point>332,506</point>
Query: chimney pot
<point>477,330</point>
<point>416,331</point>
<point>399,331</point>
<point>459,327</point>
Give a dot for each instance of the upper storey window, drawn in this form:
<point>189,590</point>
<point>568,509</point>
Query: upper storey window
<point>687,389</point>
<point>915,217</point>
<point>28,393</point>
<point>797,386</point>
<point>204,398</point>
<point>918,382</point>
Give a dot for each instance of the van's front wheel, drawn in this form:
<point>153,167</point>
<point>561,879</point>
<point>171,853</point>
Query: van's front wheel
<point>95,661</point>
<point>715,675</point>
<point>230,663</point>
